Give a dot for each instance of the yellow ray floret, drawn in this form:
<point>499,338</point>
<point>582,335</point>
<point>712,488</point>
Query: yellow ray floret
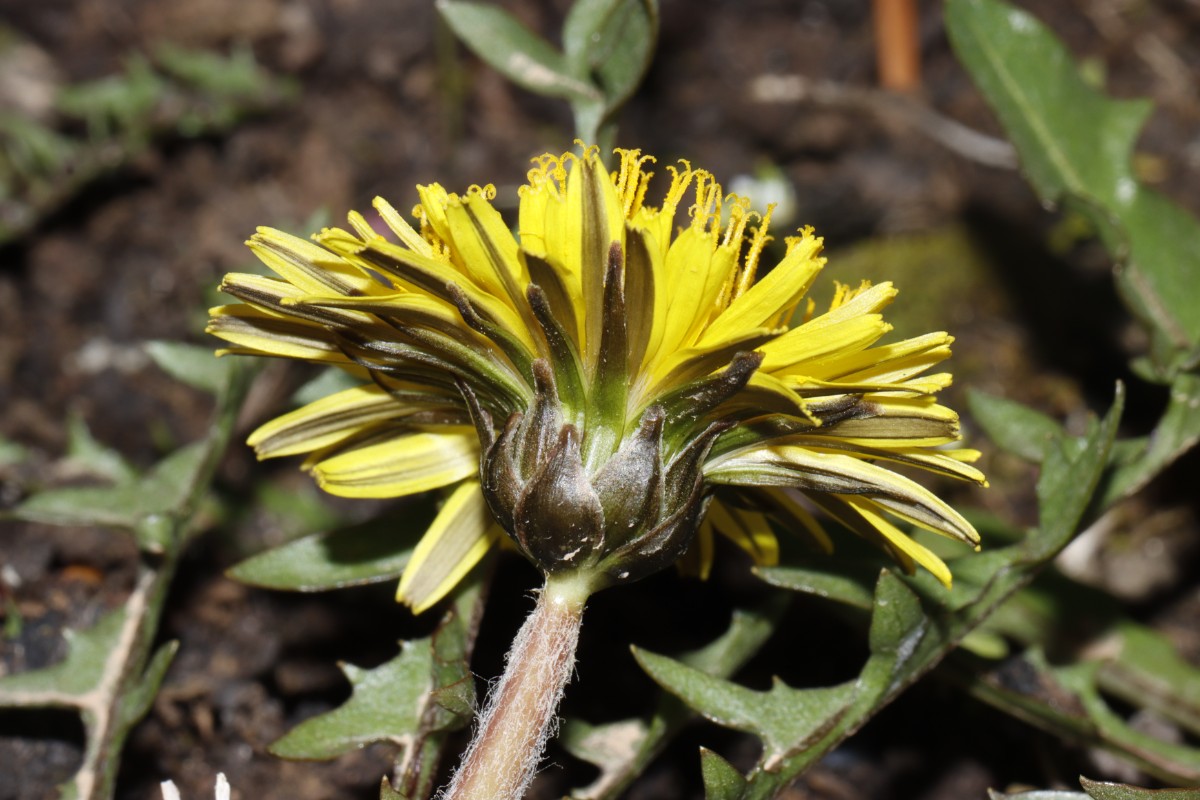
<point>562,372</point>
<point>405,464</point>
<point>458,538</point>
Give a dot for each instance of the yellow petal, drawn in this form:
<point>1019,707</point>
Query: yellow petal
<point>484,247</point>
<point>401,465</point>
<point>813,471</point>
<point>780,290</point>
<point>427,275</point>
<point>888,363</point>
<point>408,308</point>
<point>259,332</point>
<point>326,421</point>
<point>951,463</point>
<point>786,506</point>
<point>887,421</point>
<point>694,272</point>
<point>901,541</point>
<point>307,266</point>
<point>399,226</point>
<point>459,537</point>
<point>749,530</point>
<point>795,350</point>
<point>698,560</point>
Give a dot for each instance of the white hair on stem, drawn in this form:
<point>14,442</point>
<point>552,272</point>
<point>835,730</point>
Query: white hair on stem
<point>520,716</point>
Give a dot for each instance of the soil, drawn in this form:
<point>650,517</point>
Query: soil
<point>388,101</point>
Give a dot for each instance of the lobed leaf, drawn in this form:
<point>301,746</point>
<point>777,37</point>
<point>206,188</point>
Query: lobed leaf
<point>622,749</point>
<point>385,705</point>
<point>91,456</point>
<point>141,505</point>
<point>839,581</point>
<point>413,701</point>
<point>1070,474</point>
<point>914,623</point>
<point>786,719</point>
<point>67,683</point>
<point>1067,701</point>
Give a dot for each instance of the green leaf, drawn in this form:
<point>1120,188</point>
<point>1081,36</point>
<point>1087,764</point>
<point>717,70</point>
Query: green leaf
<point>907,640</point>
<point>372,552</point>
<point>196,366</point>
<point>613,747</point>
<point>217,75</point>
<point>1067,701</point>
<point>622,749</point>
<point>414,700</point>
<point>721,780</point>
<point>85,452</point>
<point>1148,672</point>
<point>11,452</point>
<point>584,28</point>
<point>611,42</point>
<point>386,792</point>
<point>1075,145</point>
<point>98,680</point>
<point>1046,795</point>
<point>65,684</point>
<point>837,581</point>
<point>786,719</point>
<point>1176,433</point>
<point>1173,762</point>
<point>144,506</point>
<point>1012,426</point>
<point>1138,665</point>
<point>897,622</point>
<point>1070,474</point>
<point>385,704</point>
<point>1121,791</point>
<point>513,50</point>
<point>138,701</point>
<point>1157,269</point>
<point>748,630</point>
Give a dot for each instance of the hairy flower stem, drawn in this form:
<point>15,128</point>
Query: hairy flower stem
<point>519,716</point>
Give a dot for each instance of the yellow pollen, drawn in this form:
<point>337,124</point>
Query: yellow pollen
<point>839,295</point>
<point>843,293</point>
<point>761,237</point>
<point>632,180</point>
<point>549,175</point>
<point>487,192</point>
<point>739,215</point>
<point>439,249</point>
<point>590,151</point>
<point>706,211</point>
<point>680,180</point>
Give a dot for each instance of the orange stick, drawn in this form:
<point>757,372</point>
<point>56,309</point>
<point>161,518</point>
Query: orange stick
<point>897,44</point>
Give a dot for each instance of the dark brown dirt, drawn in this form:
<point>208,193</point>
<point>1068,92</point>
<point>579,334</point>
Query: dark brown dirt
<point>388,102</point>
